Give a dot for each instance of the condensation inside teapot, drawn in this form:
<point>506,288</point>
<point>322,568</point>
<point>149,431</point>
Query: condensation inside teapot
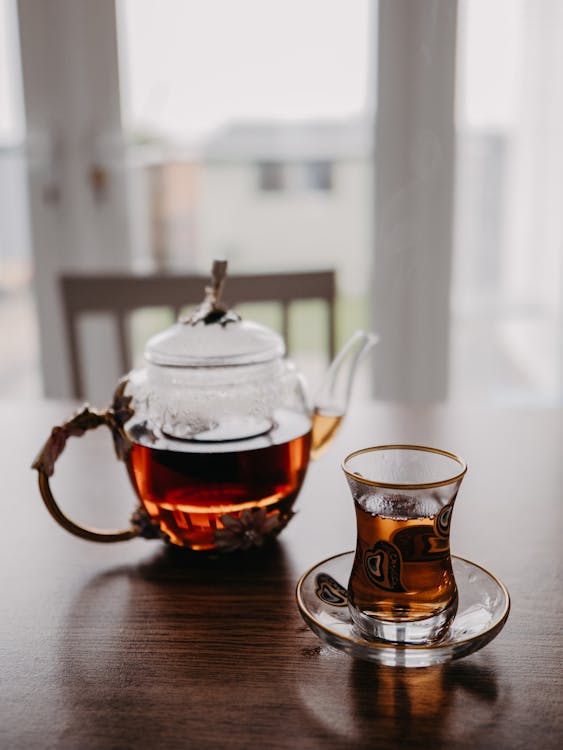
<point>215,404</point>
<point>224,429</point>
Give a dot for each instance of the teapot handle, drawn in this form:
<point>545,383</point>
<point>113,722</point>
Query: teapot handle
<point>87,419</point>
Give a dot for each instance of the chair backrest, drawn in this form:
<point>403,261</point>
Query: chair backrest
<point>121,293</point>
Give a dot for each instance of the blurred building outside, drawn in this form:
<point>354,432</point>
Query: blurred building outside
<point>264,195</point>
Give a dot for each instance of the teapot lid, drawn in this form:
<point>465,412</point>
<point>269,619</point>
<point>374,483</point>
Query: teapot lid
<point>212,335</point>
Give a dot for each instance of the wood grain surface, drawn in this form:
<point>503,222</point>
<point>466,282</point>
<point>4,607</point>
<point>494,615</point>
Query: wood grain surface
<point>136,645</point>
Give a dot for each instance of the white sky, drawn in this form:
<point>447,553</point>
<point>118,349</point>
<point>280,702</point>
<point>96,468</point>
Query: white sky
<point>490,58</point>
<point>188,66</point>
<point>191,65</point>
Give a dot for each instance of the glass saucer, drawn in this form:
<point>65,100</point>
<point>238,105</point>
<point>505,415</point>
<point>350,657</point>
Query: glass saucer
<point>483,608</point>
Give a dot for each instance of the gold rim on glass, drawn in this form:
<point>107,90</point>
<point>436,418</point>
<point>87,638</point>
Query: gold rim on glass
<point>405,485</point>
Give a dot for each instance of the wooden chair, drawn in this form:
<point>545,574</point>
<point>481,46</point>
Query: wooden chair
<point>122,293</point>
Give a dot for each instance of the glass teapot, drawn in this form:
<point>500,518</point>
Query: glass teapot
<point>216,430</point>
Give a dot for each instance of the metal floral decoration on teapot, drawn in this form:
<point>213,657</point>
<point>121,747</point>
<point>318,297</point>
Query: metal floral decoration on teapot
<point>216,431</point>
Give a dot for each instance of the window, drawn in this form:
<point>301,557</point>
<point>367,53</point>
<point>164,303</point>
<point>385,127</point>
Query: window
<point>226,145</point>
<point>318,175</point>
<point>265,135</point>
<point>271,176</point>
<point>309,176</point>
<point>507,295</point>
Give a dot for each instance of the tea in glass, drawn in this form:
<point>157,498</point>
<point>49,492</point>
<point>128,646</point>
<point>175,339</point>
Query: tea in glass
<point>402,587</point>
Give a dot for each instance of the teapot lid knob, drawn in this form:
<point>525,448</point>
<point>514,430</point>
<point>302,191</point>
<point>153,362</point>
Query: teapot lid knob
<point>218,276</point>
<point>187,344</point>
<point>211,310</point>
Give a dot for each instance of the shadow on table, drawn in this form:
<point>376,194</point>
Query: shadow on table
<point>171,647</point>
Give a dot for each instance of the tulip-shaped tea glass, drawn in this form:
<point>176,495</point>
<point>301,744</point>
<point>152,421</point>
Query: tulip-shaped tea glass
<point>402,588</point>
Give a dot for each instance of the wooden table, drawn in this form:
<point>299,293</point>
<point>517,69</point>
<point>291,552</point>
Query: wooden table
<point>127,645</point>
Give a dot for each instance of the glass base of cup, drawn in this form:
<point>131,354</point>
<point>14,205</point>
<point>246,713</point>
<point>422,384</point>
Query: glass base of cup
<point>413,632</point>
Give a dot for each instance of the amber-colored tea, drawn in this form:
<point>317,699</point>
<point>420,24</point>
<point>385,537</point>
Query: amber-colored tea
<point>402,568</point>
<point>188,486</point>
<point>325,427</point>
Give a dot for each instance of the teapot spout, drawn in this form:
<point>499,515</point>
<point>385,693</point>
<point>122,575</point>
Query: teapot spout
<point>334,396</point>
